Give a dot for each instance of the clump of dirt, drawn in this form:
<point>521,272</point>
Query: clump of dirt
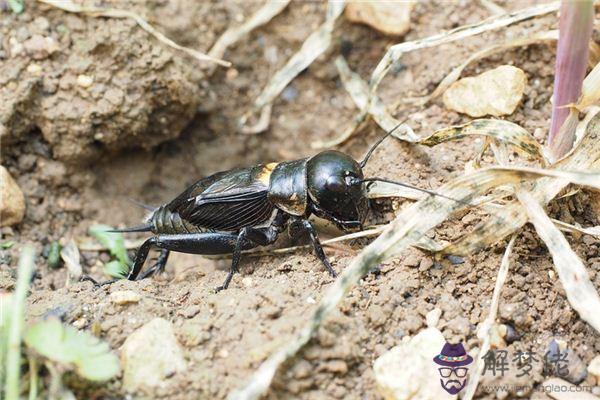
<point>226,336</point>
<point>91,85</point>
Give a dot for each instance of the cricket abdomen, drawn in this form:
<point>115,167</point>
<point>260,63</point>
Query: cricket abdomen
<point>166,222</point>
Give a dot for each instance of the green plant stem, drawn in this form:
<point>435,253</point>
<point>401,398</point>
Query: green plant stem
<point>13,357</point>
<point>33,378</point>
<point>572,52</point>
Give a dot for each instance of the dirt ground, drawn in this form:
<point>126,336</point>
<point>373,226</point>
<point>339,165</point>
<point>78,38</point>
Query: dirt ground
<point>155,123</point>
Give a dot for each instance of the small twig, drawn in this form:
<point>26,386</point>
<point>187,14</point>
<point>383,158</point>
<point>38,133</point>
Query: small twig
<point>67,5</point>
<point>13,356</point>
<point>484,332</point>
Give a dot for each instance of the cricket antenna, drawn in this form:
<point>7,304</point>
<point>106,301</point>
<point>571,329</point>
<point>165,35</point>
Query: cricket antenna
<point>430,192</point>
<point>372,149</point>
<point>142,205</point>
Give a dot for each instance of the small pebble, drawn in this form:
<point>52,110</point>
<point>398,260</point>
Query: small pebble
<point>124,297</point>
<point>191,311</point>
<point>594,368</point>
<point>455,260</point>
<point>289,94</point>
<point>426,264</point>
<point>223,353</point>
<point>412,260</point>
<point>34,69</point>
<point>247,282</point>
<point>85,81</point>
<point>80,323</point>
<point>433,317</point>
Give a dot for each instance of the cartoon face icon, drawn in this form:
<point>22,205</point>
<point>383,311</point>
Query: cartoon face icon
<point>453,360</point>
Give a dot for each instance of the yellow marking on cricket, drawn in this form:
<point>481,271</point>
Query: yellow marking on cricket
<point>265,174</point>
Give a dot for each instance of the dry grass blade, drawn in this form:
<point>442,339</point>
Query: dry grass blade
<point>358,89</point>
<point>68,5</point>
<point>267,12</point>
<point>580,291</point>
<point>494,49</point>
<point>454,75</point>
<point>501,130</point>
<point>584,157</point>
<point>406,230</point>
<point>395,52</point>
<point>313,47</point>
<point>592,231</point>
<point>485,329</point>
<point>590,89</point>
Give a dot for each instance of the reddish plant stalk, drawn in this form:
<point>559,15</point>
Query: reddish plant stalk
<point>575,32</point>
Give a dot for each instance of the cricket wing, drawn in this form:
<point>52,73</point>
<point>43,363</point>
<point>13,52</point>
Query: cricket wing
<point>226,201</point>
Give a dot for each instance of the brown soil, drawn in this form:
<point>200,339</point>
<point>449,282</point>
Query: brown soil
<point>79,154</point>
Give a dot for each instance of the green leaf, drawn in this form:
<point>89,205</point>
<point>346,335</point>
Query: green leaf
<point>54,259</point>
<point>113,241</point>
<point>116,269</point>
<point>7,245</point>
<point>91,358</point>
<point>16,6</point>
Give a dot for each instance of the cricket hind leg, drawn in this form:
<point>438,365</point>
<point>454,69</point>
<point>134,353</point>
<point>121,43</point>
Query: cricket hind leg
<point>158,267</point>
<point>205,243</point>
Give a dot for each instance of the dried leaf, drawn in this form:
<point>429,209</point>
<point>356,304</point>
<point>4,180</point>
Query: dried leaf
<point>70,6</point>
<point>501,130</point>
<point>70,255</point>
<point>590,89</point>
<point>584,157</point>
<point>580,291</point>
<point>495,92</point>
<point>313,47</point>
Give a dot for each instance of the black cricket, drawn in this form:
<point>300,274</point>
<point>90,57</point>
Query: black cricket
<point>240,209</point>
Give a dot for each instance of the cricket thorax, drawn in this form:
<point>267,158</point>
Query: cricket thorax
<point>288,188</point>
